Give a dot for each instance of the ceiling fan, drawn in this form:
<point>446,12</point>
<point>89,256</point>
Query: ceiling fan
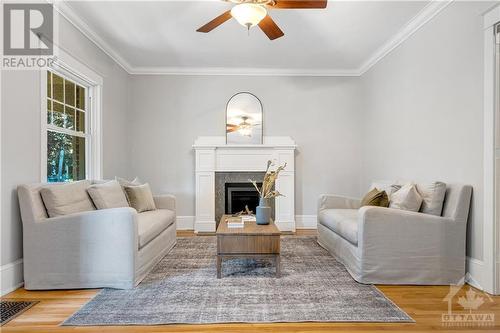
<point>244,127</point>
<point>254,12</point>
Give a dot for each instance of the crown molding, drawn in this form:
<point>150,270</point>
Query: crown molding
<point>490,17</point>
<point>241,71</point>
<point>69,14</point>
<point>418,21</point>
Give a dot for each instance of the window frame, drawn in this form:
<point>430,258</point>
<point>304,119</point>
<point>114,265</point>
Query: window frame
<point>70,68</point>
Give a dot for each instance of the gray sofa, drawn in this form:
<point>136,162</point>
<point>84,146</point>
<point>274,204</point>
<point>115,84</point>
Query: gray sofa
<point>113,248</point>
<point>389,246</point>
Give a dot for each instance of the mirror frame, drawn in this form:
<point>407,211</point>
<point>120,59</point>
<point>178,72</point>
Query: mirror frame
<point>261,110</point>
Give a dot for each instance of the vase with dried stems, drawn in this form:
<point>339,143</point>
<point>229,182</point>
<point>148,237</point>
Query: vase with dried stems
<point>267,192</point>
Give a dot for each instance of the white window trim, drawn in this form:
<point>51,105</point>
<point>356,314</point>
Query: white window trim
<point>66,64</point>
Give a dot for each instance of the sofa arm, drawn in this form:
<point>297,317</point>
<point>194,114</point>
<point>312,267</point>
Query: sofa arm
<point>329,201</point>
<point>165,201</point>
<point>84,250</point>
<point>393,233</point>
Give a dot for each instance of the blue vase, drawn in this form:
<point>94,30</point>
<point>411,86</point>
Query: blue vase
<point>263,212</point>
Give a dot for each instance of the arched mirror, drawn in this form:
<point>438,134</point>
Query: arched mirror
<point>244,119</point>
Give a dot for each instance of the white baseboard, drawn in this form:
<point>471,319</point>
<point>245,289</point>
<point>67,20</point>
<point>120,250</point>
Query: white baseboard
<point>497,291</point>
<point>306,222</point>
<point>286,226</point>
<point>475,269</point>
<point>204,226</point>
<point>185,222</point>
<point>11,276</point>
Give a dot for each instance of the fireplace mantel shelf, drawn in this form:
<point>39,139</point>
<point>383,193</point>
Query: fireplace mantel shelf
<point>280,142</point>
<point>214,155</point>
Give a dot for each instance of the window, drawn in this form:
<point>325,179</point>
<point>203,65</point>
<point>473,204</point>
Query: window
<point>67,128</point>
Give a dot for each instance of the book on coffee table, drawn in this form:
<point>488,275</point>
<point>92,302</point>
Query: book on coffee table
<point>235,222</point>
<point>248,218</point>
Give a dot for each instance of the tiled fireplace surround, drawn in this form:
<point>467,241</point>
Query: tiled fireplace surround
<point>218,163</point>
<point>223,178</point>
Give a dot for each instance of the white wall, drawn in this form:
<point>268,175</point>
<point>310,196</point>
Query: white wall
<point>321,114</point>
<point>424,109</point>
<point>20,135</point>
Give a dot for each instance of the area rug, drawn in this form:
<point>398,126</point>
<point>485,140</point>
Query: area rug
<point>183,289</point>
<point>11,309</point>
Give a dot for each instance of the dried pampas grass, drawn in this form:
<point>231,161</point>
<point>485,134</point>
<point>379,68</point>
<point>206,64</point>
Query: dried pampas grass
<point>266,191</point>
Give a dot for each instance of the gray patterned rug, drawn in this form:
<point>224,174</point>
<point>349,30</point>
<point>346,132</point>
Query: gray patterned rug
<point>183,288</point>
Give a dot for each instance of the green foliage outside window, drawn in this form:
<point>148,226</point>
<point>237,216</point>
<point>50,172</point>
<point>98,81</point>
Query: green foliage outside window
<point>65,157</point>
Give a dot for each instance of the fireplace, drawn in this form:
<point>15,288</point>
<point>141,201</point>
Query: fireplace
<point>217,163</point>
<point>239,195</point>
<point>233,191</point>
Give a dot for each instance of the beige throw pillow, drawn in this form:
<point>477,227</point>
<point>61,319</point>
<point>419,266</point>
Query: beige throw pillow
<point>433,197</point>
<point>406,198</point>
<point>125,182</point>
<point>388,187</point>
<point>108,195</point>
<point>140,197</point>
<point>67,199</point>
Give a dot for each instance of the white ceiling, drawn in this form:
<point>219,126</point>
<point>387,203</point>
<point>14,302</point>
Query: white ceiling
<point>160,36</point>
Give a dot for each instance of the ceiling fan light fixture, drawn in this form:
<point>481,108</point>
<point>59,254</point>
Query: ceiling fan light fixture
<point>245,130</point>
<point>248,14</point>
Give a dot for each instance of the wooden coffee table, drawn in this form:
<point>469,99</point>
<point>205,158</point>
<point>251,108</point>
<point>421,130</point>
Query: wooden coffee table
<point>252,241</point>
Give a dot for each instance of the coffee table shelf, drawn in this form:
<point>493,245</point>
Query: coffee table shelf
<point>252,241</point>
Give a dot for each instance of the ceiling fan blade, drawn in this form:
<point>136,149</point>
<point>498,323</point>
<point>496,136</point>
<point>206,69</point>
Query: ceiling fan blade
<point>231,128</point>
<point>270,28</point>
<point>300,4</point>
<point>215,22</point>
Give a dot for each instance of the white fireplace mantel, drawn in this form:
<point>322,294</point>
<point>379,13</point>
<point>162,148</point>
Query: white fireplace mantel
<point>214,155</point>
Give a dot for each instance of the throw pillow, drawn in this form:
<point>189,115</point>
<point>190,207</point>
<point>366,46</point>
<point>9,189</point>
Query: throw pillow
<point>108,195</point>
<point>125,182</point>
<point>388,187</point>
<point>375,198</point>
<point>406,198</point>
<point>433,197</point>
<point>140,197</point>
<point>67,199</point>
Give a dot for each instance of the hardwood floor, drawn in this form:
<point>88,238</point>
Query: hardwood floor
<point>425,304</point>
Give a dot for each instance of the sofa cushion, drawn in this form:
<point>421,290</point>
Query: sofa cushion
<point>125,182</point>
<point>433,197</point>
<point>344,222</point>
<point>69,198</point>
<point>140,197</point>
<point>388,186</point>
<point>108,195</point>
<point>375,198</point>
<point>406,198</point>
<point>152,223</point>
